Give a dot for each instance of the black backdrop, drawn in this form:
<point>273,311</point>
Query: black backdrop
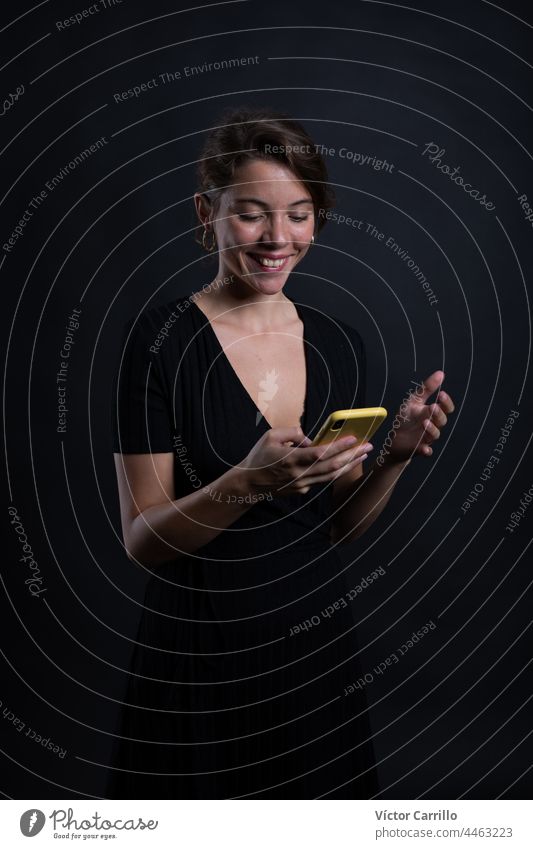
<point>113,235</point>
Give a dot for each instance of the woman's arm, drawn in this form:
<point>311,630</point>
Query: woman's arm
<point>156,526</point>
<point>415,426</point>
<point>363,496</point>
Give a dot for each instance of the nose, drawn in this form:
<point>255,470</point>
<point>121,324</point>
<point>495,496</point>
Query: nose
<point>276,230</point>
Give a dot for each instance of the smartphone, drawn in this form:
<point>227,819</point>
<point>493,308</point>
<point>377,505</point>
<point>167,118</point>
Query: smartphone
<point>361,423</point>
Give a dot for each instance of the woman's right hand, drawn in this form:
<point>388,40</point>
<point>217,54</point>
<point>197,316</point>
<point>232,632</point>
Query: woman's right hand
<point>284,461</point>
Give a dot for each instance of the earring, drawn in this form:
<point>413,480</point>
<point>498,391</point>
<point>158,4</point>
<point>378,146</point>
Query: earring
<point>213,243</point>
<point>312,242</point>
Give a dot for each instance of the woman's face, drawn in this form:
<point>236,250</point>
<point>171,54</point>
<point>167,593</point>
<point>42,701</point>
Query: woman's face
<point>264,225</point>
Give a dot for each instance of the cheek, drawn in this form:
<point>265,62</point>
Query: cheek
<point>302,232</point>
<point>243,236</point>
<point>303,237</point>
<point>238,236</point>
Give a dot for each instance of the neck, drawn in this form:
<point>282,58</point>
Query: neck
<point>244,305</point>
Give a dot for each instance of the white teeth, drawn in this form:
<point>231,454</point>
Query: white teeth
<point>271,263</point>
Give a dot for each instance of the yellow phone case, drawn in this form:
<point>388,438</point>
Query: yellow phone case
<point>361,423</point>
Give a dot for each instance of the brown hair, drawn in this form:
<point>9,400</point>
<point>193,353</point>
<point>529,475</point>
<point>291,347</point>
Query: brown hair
<point>246,133</point>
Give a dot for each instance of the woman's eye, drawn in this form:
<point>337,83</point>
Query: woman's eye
<point>249,217</point>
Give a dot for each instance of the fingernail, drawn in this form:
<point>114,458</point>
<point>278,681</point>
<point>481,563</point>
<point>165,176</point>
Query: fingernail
<point>368,446</point>
<point>351,440</point>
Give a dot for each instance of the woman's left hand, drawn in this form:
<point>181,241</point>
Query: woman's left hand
<point>420,424</point>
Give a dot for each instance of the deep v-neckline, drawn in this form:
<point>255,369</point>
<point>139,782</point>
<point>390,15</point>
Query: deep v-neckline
<point>226,360</point>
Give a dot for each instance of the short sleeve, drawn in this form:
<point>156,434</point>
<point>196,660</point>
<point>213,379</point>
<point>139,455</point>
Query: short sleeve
<point>142,422</point>
<point>354,362</point>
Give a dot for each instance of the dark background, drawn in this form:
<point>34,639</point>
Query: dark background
<point>452,719</point>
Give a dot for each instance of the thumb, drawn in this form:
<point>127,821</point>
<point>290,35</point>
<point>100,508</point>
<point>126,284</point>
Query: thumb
<point>430,384</point>
<point>290,434</point>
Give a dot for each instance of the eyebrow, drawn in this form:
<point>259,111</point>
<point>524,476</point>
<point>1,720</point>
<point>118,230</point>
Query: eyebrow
<point>263,203</point>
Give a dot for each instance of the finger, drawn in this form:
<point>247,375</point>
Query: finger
<point>437,415</point>
<point>319,468</point>
<point>336,445</point>
<point>331,463</point>
<point>328,476</point>
<point>431,430</point>
<point>320,452</point>
<point>429,385</point>
<point>337,461</point>
<point>445,402</point>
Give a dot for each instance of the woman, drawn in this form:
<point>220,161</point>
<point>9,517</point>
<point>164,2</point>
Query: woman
<point>247,641</point>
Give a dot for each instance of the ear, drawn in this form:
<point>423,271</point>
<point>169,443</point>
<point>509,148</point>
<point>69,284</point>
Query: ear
<point>203,207</point>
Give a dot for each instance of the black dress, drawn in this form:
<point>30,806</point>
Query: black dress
<point>244,648</point>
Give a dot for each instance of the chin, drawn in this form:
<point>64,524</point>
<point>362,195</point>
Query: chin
<point>271,284</point>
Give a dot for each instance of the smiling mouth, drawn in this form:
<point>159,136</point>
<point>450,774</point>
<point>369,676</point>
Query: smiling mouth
<point>270,264</point>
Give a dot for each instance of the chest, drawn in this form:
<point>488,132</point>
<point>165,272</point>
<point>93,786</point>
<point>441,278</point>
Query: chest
<point>272,370</point>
